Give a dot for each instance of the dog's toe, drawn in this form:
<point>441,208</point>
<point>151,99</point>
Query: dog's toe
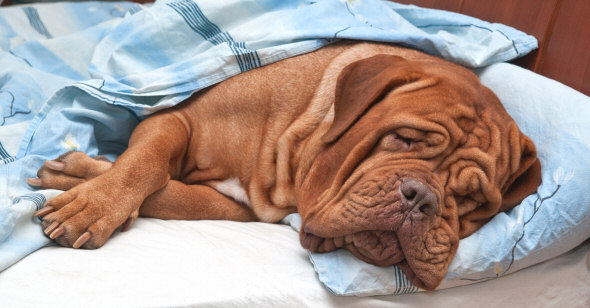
<point>83,239</point>
<point>85,217</point>
<point>69,170</point>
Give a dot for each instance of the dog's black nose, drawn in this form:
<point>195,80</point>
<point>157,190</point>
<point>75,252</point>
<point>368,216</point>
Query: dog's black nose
<point>419,197</point>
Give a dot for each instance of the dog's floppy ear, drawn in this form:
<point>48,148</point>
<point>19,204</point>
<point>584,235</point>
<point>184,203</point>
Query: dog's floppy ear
<point>362,83</point>
<point>518,177</point>
<point>527,177</point>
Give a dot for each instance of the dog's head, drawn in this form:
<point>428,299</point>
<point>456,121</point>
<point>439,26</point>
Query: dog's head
<point>418,155</point>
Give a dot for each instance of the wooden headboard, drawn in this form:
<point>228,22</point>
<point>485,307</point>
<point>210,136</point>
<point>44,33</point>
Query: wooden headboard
<point>562,28</point>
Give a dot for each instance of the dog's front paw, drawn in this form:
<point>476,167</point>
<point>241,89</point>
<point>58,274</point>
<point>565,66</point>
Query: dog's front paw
<point>86,215</point>
<point>69,170</point>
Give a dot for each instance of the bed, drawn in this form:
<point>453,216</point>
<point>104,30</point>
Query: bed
<point>535,255</point>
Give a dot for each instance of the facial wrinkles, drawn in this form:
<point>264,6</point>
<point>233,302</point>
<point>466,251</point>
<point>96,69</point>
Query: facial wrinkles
<point>336,194</point>
<point>460,128</point>
<point>346,172</point>
<point>474,167</point>
<point>447,132</point>
<point>360,206</point>
<point>378,245</point>
<point>354,166</point>
<point>377,202</point>
<point>435,238</point>
<point>427,247</point>
<point>378,165</point>
<point>374,203</point>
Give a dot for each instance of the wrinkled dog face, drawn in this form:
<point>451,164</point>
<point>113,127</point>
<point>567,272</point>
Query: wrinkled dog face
<point>419,154</point>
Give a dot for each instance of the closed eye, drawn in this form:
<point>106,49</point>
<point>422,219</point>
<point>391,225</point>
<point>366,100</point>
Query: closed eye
<point>395,143</point>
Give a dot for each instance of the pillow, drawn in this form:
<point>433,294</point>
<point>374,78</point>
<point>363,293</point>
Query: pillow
<point>545,225</point>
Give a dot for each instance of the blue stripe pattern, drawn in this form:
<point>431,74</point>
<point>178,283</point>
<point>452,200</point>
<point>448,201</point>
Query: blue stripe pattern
<point>36,21</point>
<point>402,284</point>
<point>37,198</point>
<point>5,158</point>
<point>247,59</point>
<point>8,160</point>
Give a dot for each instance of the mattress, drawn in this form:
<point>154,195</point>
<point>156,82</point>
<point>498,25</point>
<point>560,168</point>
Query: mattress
<point>229,264</point>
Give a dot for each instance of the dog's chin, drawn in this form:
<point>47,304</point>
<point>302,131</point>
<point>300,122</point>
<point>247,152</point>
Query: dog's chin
<point>380,248</point>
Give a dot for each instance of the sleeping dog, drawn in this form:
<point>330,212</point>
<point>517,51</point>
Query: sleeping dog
<point>384,151</point>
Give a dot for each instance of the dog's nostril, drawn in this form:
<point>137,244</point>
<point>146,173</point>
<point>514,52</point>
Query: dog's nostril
<point>419,197</point>
<point>411,188</point>
<point>410,195</point>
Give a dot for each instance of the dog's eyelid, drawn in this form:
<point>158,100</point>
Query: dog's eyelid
<point>408,141</point>
<point>409,133</point>
<point>395,142</point>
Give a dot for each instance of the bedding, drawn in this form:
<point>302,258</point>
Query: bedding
<point>227,264</point>
<point>90,98</point>
<point>61,106</point>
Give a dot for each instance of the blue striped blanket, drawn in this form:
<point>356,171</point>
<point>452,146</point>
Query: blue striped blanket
<point>80,76</point>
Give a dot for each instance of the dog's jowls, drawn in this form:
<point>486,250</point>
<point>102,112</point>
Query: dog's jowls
<point>384,151</point>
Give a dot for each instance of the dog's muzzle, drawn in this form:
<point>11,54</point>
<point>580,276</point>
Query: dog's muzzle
<point>385,211</point>
<point>389,218</point>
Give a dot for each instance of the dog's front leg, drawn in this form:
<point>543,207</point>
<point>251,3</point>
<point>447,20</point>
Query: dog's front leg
<point>86,215</point>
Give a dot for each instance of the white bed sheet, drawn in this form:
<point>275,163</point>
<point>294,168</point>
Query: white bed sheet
<point>229,264</point>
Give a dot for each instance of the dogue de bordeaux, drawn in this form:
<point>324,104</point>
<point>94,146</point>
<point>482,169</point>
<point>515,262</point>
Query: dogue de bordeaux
<point>384,151</point>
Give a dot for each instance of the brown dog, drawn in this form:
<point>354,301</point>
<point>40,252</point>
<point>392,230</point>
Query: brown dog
<point>387,152</point>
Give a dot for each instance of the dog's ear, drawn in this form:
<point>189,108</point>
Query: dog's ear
<point>527,177</point>
<point>363,83</point>
<point>515,178</point>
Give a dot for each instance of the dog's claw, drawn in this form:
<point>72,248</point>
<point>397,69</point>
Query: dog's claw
<point>51,227</point>
<point>44,211</point>
<point>57,233</point>
<point>55,165</point>
<point>35,182</point>
<point>82,239</point>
